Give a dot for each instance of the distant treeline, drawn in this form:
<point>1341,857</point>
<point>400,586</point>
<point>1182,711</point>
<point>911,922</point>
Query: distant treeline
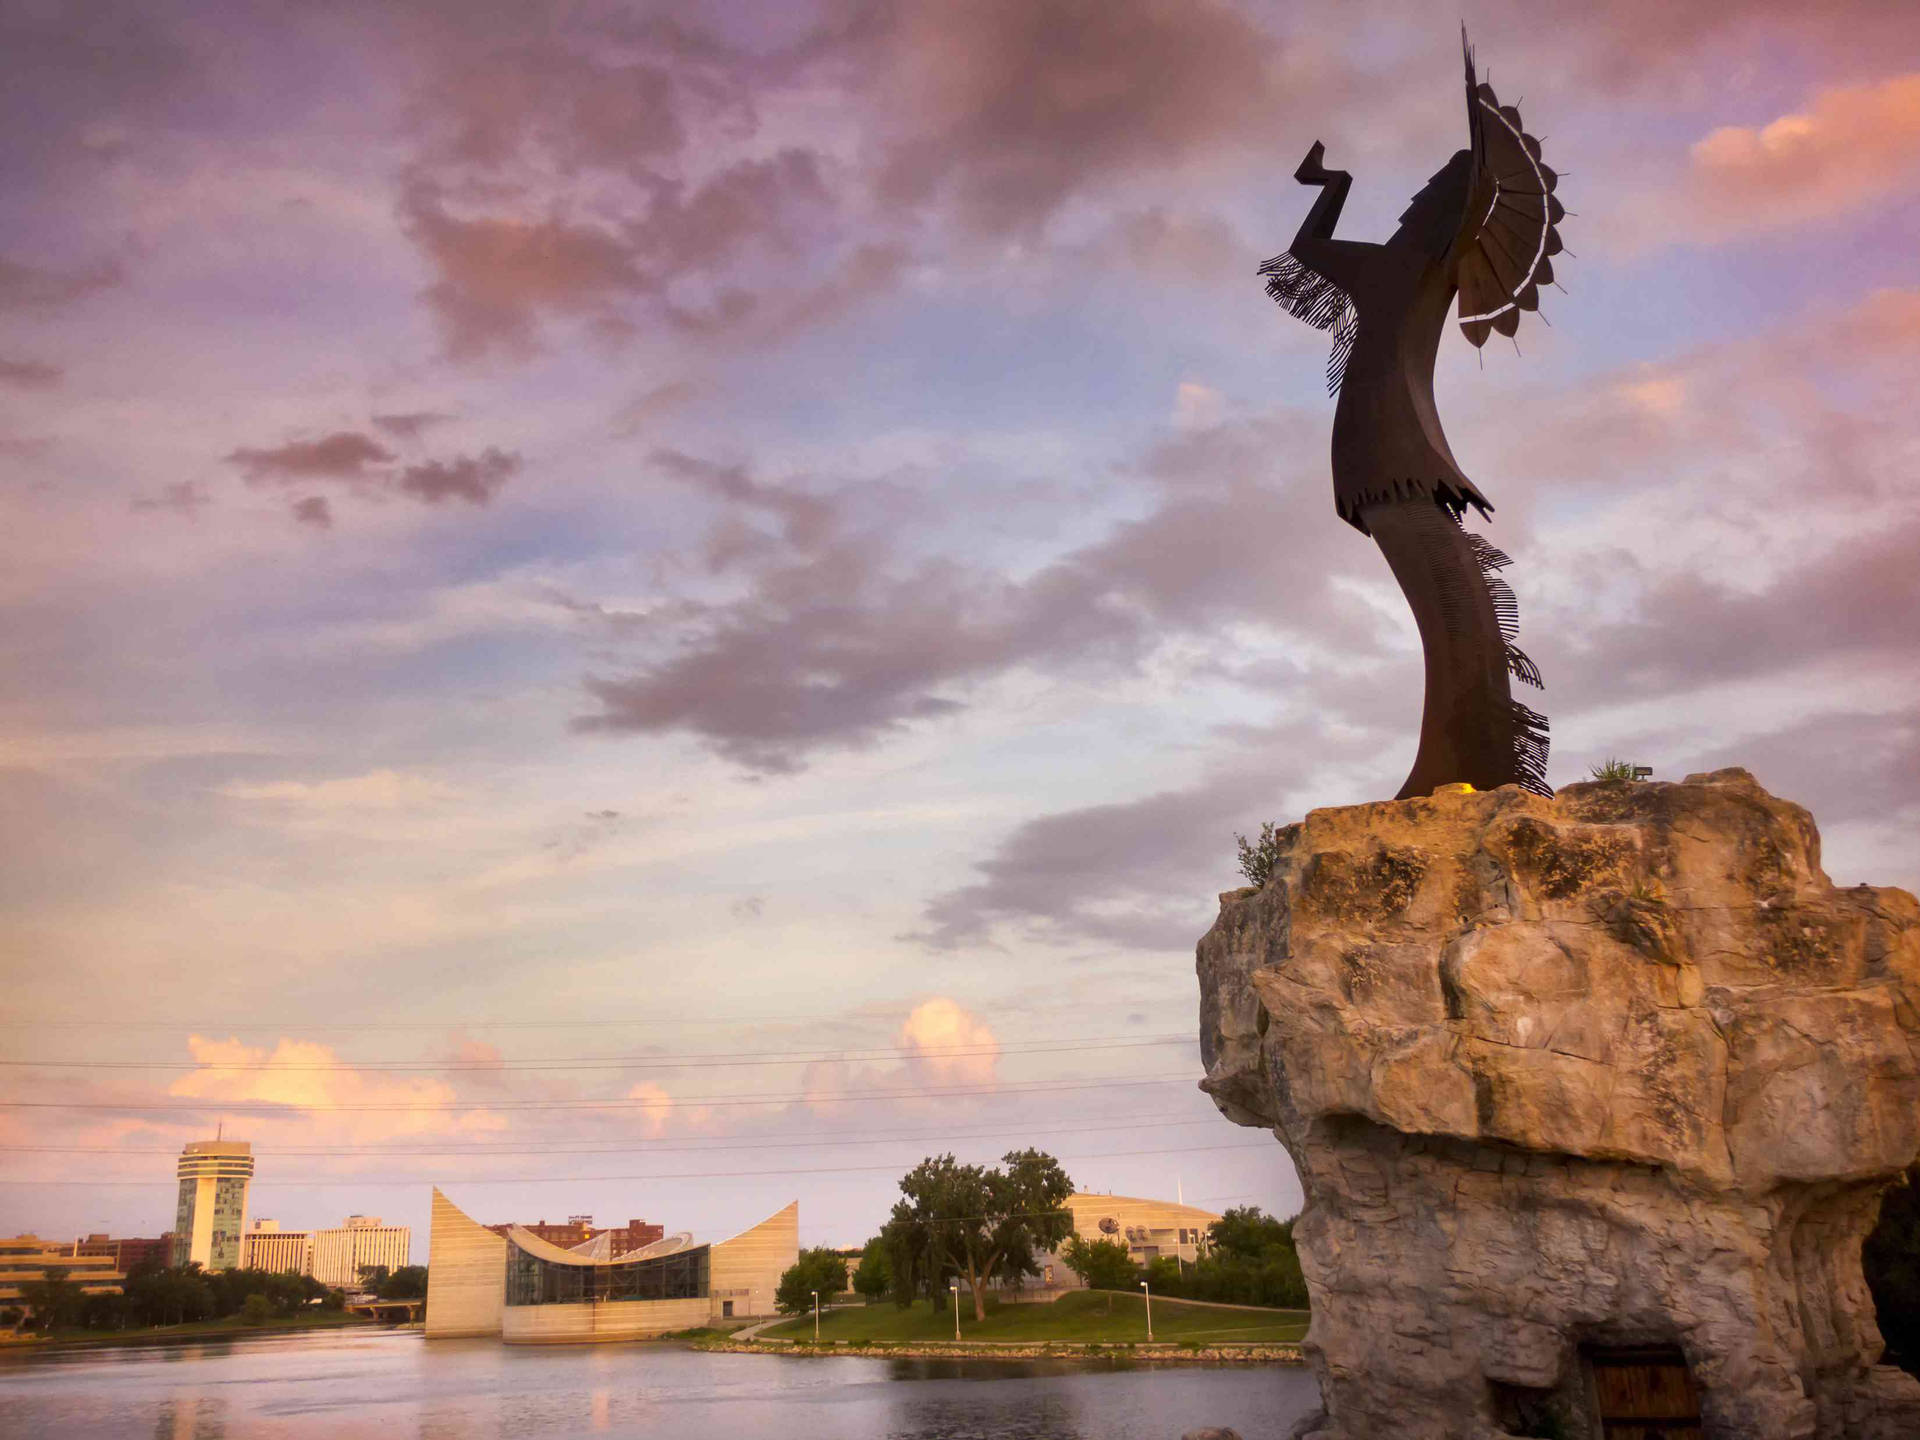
<point>178,1294</point>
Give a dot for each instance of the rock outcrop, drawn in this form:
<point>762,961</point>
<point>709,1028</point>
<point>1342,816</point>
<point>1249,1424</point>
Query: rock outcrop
<point>1572,1083</point>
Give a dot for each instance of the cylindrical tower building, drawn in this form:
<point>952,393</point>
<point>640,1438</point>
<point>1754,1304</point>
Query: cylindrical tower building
<point>212,1215</point>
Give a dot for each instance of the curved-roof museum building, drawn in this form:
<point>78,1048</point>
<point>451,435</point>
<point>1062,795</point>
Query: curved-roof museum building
<point>529,1291</point>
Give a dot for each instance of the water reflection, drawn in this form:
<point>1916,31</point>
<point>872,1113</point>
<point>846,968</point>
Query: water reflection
<point>191,1417</point>
<point>394,1386</point>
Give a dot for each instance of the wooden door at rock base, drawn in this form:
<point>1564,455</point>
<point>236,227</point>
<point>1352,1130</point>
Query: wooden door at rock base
<point>1645,1394</point>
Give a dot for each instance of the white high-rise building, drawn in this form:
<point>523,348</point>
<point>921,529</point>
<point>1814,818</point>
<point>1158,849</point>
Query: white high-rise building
<point>341,1254</point>
<point>267,1247</point>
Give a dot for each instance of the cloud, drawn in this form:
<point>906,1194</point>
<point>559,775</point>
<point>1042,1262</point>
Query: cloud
<point>1852,145</point>
<point>1858,600</point>
<point>1197,406</point>
<point>357,460</point>
<point>311,1082</point>
<point>497,274</point>
<point>44,289</point>
<point>343,455</point>
<point>658,1114</point>
<point>313,511</point>
<point>931,1033</point>
<point>1140,874</point>
<point>182,497</point>
<point>938,1027</point>
<point>378,790</point>
<point>1013,107</point>
<point>30,374</point>
<point>834,644</point>
<point>473,478</point>
<point>409,425</point>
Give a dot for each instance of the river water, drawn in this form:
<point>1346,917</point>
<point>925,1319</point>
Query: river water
<point>394,1386</point>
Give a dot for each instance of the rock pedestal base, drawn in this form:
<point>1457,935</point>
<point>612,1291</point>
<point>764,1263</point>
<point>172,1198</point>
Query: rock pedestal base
<point>1593,1100</point>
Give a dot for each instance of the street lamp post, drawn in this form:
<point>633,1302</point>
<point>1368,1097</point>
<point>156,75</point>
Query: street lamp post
<point>1144,1286</point>
<point>816,1317</point>
<point>955,1287</point>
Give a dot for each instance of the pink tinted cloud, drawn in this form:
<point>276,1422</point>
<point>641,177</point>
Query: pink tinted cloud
<point>30,374</point>
<point>43,288</point>
<point>343,455</point>
<point>409,425</point>
<point>363,464</point>
<point>1851,145</point>
<point>473,478</point>
<point>1010,107</point>
<point>314,512</point>
<point>497,274</point>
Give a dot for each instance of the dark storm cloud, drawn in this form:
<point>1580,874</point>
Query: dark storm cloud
<point>473,478</point>
<point>343,455</point>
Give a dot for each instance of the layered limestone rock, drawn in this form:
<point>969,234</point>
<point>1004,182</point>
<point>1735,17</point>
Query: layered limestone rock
<point>1565,1077</point>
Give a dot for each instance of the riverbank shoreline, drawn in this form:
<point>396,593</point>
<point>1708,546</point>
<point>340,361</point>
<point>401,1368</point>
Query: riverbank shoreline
<point>187,1334</point>
<point>1154,1353</point>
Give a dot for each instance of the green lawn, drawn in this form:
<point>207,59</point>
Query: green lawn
<point>1108,1317</point>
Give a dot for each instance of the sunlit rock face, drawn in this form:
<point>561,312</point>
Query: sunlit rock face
<point>1570,1082</point>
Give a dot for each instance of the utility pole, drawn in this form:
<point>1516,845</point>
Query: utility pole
<point>955,1287</point>
<point>816,1317</point>
<point>1144,1286</point>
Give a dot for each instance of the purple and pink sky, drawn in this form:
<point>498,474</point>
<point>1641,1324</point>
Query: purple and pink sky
<point>557,550</point>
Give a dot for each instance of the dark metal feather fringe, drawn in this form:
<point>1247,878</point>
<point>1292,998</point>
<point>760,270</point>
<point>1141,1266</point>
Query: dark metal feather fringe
<point>1490,558</point>
<point>1346,330</point>
<point>1523,669</point>
<point>1506,609</point>
<point>1304,293</point>
<point>1530,743</point>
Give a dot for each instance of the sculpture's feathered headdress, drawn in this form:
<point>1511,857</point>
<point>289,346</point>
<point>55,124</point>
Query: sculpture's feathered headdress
<point>1503,252</point>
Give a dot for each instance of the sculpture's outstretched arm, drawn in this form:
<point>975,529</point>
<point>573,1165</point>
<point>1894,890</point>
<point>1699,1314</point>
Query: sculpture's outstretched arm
<point>1314,245</point>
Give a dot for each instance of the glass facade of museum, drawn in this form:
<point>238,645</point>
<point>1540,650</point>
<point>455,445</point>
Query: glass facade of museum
<point>533,1280</point>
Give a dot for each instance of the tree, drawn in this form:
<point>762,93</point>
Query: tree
<point>983,1225</point>
<point>1250,1260</point>
<point>1100,1264</point>
<point>1248,1232</point>
<point>409,1282</point>
<point>874,1277</point>
<point>56,1301</point>
<point>816,1270</point>
<point>258,1310</point>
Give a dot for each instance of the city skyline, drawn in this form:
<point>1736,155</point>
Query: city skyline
<point>652,613</point>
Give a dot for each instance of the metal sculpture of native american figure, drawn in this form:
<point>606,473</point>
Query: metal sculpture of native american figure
<point>1483,227</point>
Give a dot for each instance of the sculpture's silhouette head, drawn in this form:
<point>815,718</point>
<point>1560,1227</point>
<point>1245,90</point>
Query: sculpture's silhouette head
<point>1432,217</point>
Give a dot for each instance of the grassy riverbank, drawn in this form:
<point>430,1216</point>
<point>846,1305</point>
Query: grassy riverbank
<point>1079,1317</point>
<point>229,1328</point>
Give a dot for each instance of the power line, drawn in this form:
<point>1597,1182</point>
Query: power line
<point>809,1137</point>
<point>258,1107</point>
<point>366,1180</point>
<point>708,1060</point>
<point>653,1019</point>
<point>502,1152</point>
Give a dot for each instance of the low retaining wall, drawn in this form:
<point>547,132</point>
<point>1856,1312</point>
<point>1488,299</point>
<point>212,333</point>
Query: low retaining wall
<point>1168,1352</point>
